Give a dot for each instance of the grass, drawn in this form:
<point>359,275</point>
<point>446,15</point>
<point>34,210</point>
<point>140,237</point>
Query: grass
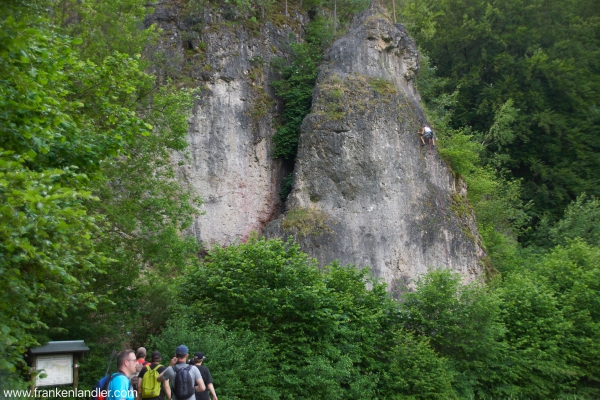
<point>306,221</point>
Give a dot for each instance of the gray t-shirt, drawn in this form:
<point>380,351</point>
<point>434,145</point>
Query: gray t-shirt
<point>171,372</point>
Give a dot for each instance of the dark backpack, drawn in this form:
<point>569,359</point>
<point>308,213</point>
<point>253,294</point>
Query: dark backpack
<point>183,385</point>
<point>100,391</point>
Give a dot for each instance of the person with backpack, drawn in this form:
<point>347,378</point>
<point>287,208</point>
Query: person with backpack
<point>140,354</point>
<point>150,387</point>
<point>186,378</point>
<point>427,134</point>
<point>197,361</point>
<point>119,386</point>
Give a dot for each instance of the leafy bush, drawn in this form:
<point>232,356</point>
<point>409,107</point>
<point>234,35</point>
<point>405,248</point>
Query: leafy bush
<point>463,323</point>
<point>240,362</point>
<point>320,324</point>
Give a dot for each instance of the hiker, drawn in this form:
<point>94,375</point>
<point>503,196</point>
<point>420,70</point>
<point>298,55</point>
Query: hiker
<point>140,355</point>
<point>427,134</point>
<point>185,378</point>
<point>120,387</point>
<point>150,388</point>
<point>198,358</point>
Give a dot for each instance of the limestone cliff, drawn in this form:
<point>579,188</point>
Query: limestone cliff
<point>365,190</point>
<point>230,155</point>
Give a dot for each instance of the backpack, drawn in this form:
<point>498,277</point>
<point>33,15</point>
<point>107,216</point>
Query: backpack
<point>100,391</point>
<point>183,385</point>
<point>150,384</point>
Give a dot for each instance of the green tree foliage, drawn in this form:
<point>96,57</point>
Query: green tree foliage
<point>573,273</point>
<point>53,144</point>
<point>463,324</point>
<point>538,57</point>
<point>240,362</point>
<point>536,331</point>
<point>295,89</point>
<point>581,220</point>
<point>330,335</point>
<point>319,323</point>
<point>492,193</point>
<point>415,371</point>
<point>93,23</point>
<point>74,132</point>
<point>46,251</point>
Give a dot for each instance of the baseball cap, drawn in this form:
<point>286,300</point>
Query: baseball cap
<point>181,350</point>
<point>199,355</point>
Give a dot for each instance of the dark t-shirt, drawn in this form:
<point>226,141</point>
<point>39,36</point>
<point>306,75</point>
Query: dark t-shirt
<point>207,379</point>
<point>161,396</point>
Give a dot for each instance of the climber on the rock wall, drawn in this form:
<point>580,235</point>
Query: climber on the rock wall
<point>427,133</point>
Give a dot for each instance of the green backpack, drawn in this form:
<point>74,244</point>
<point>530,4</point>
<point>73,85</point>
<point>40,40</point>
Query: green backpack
<point>150,384</point>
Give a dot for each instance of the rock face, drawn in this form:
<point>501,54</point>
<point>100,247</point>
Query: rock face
<point>230,161</point>
<point>365,190</point>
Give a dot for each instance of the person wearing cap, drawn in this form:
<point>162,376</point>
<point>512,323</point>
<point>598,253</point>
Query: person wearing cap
<point>179,362</point>
<point>165,389</point>
<point>198,358</point>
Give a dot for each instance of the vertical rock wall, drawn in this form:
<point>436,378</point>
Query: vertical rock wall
<point>230,163</point>
<point>365,190</point>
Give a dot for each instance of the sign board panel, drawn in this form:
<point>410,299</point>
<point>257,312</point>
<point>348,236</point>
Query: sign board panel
<point>58,368</point>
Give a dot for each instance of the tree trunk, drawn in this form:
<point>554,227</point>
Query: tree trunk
<point>286,10</point>
<point>393,9</point>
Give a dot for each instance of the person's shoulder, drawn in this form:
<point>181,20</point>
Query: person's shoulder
<point>195,370</point>
<point>119,379</point>
<point>142,372</point>
<point>160,369</point>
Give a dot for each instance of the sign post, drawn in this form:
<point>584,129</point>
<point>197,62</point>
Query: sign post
<point>59,361</point>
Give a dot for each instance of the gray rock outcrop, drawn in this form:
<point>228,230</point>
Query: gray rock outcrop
<point>365,190</point>
<point>230,163</point>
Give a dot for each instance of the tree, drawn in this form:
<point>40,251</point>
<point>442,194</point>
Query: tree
<point>322,325</point>
<point>74,132</point>
<point>52,145</point>
<point>538,54</point>
<point>241,362</point>
<point>463,324</point>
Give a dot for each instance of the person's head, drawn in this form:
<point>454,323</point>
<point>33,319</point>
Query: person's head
<point>181,352</point>
<point>199,357</point>
<point>141,352</point>
<point>155,356</point>
<point>127,362</point>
